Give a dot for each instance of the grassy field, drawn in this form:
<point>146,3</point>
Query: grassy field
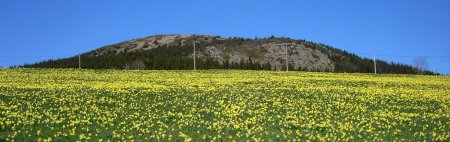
<point>215,105</point>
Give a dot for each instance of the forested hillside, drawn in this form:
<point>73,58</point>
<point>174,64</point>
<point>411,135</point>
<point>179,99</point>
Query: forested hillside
<point>175,52</point>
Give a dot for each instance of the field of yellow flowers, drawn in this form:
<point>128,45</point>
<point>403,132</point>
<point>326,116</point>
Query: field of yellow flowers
<point>221,105</point>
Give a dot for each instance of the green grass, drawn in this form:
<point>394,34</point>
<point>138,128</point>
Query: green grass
<point>221,105</point>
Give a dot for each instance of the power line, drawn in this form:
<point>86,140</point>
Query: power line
<point>34,56</point>
<point>357,53</point>
<point>408,56</point>
<point>403,56</point>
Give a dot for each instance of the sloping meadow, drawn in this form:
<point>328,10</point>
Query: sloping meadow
<point>221,105</point>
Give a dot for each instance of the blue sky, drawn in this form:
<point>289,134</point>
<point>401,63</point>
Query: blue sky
<point>33,30</point>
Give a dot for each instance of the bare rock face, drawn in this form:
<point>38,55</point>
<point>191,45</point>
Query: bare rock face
<point>256,51</point>
<point>299,56</point>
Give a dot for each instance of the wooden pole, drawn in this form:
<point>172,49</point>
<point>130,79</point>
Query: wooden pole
<point>374,63</point>
<point>194,55</point>
<point>79,61</point>
<point>287,60</point>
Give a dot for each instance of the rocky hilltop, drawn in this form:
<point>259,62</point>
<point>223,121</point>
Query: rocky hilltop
<point>262,51</point>
<point>175,51</point>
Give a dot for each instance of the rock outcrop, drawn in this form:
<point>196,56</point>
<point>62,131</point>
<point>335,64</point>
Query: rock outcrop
<point>261,51</point>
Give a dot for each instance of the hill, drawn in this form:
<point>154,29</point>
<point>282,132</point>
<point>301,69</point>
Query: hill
<point>171,52</point>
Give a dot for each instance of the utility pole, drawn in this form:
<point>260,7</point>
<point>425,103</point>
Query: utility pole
<point>287,60</point>
<point>374,63</point>
<point>79,61</point>
<point>194,55</point>
<point>286,53</point>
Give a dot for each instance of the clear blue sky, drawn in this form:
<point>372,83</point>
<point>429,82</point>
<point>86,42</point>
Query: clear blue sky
<point>34,30</point>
